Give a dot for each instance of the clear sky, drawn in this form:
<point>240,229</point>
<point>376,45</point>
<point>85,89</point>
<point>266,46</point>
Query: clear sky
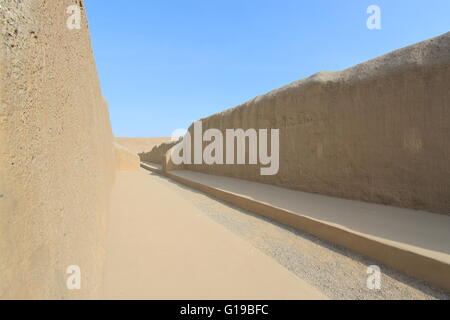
<point>166,63</point>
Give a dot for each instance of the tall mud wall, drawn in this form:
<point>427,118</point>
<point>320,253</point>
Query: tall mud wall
<point>56,153</point>
<point>377,132</point>
<point>157,154</point>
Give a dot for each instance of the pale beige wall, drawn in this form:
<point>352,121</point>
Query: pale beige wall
<point>56,153</point>
<point>377,132</point>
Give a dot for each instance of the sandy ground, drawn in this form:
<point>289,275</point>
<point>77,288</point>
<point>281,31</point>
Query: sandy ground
<point>337,272</point>
<point>162,246</point>
<point>139,145</point>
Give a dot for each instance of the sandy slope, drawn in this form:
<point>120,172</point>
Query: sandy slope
<point>160,246</point>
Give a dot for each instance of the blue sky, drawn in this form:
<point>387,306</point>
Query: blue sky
<point>164,64</point>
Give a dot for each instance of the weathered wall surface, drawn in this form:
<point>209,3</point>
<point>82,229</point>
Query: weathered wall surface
<point>56,153</point>
<point>377,132</point>
<point>126,160</point>
<point>157,154</point>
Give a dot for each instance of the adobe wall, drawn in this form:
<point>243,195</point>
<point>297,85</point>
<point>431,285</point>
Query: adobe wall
<point>56,153</point>
<point>377,132</point>
<point>157,154</point>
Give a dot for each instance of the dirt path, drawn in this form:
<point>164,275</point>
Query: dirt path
<point>162,246</point>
